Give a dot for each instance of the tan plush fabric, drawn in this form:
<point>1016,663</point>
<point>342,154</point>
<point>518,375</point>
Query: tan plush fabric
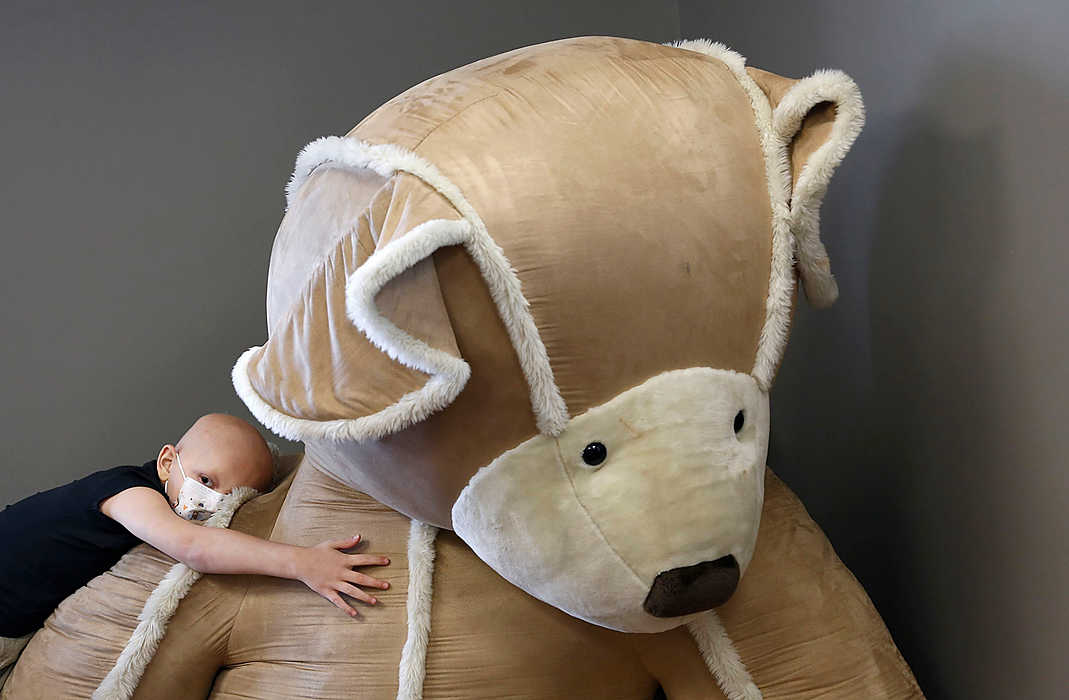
<point>81,640</point>
<point>801,622</point>
<point>816,127</point>
<point>10,648</point>
<point>318,365</point>
<point>582,211</point>
<point>802,625</point>
<point>648,244</point>
<point>287,642</point>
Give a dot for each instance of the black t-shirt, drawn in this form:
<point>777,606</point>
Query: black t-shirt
<point>55,541</point>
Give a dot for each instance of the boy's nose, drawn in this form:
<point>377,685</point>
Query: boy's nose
<point>691,589</point>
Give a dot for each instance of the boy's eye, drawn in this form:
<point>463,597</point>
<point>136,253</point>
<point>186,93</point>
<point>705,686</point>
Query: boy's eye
<point>205,480</point>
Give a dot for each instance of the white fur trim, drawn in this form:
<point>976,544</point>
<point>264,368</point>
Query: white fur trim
<point>122,680</point>
<point>823,86</point>
<point>773,339</point>
<point>795,219</point>
<point>448,373</point>
<point>413,666</point>
<point>722,658</point>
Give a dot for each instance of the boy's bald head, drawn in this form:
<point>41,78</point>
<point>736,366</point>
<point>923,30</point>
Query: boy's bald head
<point>228,450</point>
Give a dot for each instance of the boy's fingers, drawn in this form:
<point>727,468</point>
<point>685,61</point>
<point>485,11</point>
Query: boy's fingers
<point>351,590</point>
<point>342,605</point>
<point>344,544</point>
<point>365,580</point>
<point>368,560</point>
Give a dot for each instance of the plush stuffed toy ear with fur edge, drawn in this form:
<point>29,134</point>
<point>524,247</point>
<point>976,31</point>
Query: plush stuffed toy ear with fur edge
<point>361,344</point>
<point>314,378</point>
<point>817,119</point>
<point>324,374</point>
<point>805,128</point>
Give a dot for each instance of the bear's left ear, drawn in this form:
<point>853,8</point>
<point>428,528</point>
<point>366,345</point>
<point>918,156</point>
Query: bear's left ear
<point>816,119</point>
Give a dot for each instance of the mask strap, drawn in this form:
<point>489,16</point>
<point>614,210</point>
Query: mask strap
<point>179,460</point>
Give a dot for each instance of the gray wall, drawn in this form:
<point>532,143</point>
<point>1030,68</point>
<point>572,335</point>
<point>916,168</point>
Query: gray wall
<point>145,150</point>
<point>921,418</point>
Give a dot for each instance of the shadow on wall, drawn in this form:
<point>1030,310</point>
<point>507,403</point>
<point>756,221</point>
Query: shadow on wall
<point>923,500</point>
<point>941,232</point>
<point>959,286</point>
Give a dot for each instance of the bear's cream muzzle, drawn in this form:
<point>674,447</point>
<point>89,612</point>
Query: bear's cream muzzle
<point>641,514</point>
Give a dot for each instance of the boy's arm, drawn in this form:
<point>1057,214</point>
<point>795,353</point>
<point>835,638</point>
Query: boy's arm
<point>327,571</point>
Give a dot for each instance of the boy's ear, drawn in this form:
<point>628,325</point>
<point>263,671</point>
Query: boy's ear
<point>817,118</point>
<point>165,461</point>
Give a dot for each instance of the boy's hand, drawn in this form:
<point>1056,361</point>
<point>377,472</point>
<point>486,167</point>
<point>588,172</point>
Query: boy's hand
<point>146,513</point>
<point>329,572</point>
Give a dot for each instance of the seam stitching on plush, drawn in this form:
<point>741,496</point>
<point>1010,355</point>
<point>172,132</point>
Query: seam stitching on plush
<point>586,513</point>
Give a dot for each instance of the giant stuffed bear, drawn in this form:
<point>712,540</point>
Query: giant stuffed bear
<point>524,318</point>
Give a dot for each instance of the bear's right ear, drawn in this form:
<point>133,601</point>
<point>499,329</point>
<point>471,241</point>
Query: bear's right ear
<point>818,118</point>
<point>361,344</point>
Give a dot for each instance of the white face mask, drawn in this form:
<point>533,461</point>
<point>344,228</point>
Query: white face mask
<point>195,500</point>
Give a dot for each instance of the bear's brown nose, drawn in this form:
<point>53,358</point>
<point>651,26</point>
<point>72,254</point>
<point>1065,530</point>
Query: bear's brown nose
<point>691,589</point>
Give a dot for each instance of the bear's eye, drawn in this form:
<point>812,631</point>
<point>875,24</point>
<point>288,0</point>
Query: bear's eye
<point>594,453</point>
<point>740,420</point>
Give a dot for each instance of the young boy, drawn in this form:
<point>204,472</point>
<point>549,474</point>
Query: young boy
<point>57,540</point>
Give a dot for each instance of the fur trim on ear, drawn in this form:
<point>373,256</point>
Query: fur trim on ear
<point>122,679</point>
<point>448,373</point>
<point>774,332</point>
<point>795,219</point>
<point>823,86</point>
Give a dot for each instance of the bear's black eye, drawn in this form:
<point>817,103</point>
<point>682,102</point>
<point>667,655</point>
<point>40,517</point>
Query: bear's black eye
<point>740,420</point>
<point>594,454</point>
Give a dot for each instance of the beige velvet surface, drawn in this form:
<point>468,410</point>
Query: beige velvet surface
<point>625,183</point>
<point>488,639</point>
<point>816,127</point>
<point>81,640</point>
<point>801,623</point>
<point>422,469</point>
<point>317,218</point>
<point>317,364</point>
<point>630,270</point>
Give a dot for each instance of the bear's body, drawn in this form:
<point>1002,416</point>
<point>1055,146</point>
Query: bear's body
<point>803,627</point>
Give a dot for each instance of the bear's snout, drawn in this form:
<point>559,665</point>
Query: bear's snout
<point>690,589</point>
<point>642,512</point>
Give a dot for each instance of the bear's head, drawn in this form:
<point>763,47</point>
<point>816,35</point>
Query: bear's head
<point>540,300</point>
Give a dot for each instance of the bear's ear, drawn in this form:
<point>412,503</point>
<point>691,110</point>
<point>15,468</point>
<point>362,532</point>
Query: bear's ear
<point>816,120</point>
<point>361,344</point>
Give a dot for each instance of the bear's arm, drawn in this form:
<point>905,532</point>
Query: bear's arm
<point>673,658</point>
